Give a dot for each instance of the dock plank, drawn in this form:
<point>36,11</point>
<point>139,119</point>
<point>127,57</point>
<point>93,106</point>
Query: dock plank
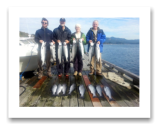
<point>73,97</point>
<point>93,80</point>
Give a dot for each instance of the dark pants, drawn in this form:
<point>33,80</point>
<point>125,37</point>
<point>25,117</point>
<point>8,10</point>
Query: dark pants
<point>59,66</point>
<point>78,63</point>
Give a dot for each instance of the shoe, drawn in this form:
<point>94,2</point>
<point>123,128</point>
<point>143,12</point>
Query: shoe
<point>99,74</point>
<point>67,74</point>
<point>50,75</point>
<point>91,73</point>
<point>40,74</point>
<point>60,75</point>
<point>75,73</point>
<point>80,74</point>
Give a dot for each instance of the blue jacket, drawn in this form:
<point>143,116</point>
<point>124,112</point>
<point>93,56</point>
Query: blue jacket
<point>100,37</point>
<point>44,34</point>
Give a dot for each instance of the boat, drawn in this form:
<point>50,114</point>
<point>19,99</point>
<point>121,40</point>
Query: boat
<point>28,54</point>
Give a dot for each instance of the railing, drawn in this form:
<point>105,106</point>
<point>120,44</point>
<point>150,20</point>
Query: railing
<point>130,76</point>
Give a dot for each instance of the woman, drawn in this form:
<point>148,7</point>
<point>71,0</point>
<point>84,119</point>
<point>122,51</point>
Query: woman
<point>78,63</point>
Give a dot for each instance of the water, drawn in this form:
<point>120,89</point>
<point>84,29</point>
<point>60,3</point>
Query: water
<point>125,56</point>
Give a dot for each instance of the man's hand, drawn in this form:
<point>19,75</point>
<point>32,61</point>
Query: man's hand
<point>58,41</point>
<point>82,39</point>
<point>66,41</point>
<point>53,42</point>
<point>90,41</point>
<point>98,42</point>
<point>41,41</point>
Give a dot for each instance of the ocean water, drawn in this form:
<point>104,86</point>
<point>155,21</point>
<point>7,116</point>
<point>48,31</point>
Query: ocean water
<point>125,56</point>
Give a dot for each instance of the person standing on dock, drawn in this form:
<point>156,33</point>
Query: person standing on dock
<point>44,35</point>
<point>78,63</point>
<point>96,35</point>
<point>62,34</point>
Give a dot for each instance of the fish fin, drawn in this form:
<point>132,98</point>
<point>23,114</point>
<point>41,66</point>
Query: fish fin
<point>111,99</point>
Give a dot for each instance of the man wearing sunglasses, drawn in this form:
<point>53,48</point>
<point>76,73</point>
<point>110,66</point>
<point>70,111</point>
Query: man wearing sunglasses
<point>44,35</point>
<point>62,34</point>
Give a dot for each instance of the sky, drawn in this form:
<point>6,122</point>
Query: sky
<point>127,28</point>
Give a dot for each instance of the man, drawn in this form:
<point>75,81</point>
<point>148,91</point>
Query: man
<point>44,35</point>
<point>62,34</point>
<point>96,35</point>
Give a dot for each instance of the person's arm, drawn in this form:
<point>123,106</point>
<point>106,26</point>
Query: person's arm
<point>103,38</point>
<point>37,38</point>
<point>69,36</point>
<point>84,37</point>
<point>54,36</point>
<point>88,37</point>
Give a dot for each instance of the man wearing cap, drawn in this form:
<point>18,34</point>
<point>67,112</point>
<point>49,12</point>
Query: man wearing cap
<point>96,35</point>
<point>44,35</point>
<point>62,34</point>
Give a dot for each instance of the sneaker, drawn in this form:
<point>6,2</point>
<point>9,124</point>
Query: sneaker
<point>50,75</point>
<point>40,74</point>
<point>99,74</point>
<point>75,73</point>
<point>67,74</point>
<point>60,75</point>
<point>80,74</point>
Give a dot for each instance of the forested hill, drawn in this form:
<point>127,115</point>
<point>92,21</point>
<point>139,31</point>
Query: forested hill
<point>114,40</point>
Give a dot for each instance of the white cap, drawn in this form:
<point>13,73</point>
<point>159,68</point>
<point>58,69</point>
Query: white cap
<point>77,25</point>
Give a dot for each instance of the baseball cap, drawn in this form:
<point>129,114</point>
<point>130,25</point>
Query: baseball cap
<point>62,19</point>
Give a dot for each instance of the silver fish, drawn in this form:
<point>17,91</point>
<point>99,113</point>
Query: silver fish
<point>108,93</point>
<point>58,91</point>
<point>91,53</point>
<point>74,50</point>
<point>54,88</point>
<point>81,48</point>
<point>53,53</point>
<point>64,88</point>
<point>99,90</point>
<point>65,51</point>
<point>72,87</point>
<point>43,53</point>
<point>60,52</point>
<point>92,90</point>
<point>97,52</point>
<point>81,91</point>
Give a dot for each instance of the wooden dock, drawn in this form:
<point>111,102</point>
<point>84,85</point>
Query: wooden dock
<point>38,92</point>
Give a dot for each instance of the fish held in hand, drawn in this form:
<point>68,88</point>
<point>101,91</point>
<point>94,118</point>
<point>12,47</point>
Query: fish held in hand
<point>43,53</point>
<point>81,48</point>
<point>54,89</point>
<point>91,53</point>
<point>97,52</point>
<point>65,51</point>
<point>53,52</point>
<point>60,52</point>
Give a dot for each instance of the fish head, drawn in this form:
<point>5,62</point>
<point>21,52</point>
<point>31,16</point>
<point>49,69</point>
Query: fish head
<point>80,40</point>
<point>64,44</point>
<point>51,44</point>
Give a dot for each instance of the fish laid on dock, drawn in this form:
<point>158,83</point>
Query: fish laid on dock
<point>81,91</point>
<point>108,93</point>
<point>99,90</point>
<point>58,91</point>
<point>72,87</point>
<point>92,90</point>
<point>54,89</point>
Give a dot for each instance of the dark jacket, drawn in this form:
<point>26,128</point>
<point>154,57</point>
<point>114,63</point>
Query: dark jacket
<point>59,34</point>
<point>100,37</point>
<point>45,35</point>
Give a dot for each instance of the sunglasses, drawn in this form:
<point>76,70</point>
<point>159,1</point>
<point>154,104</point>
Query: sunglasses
<point>44,23</point>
